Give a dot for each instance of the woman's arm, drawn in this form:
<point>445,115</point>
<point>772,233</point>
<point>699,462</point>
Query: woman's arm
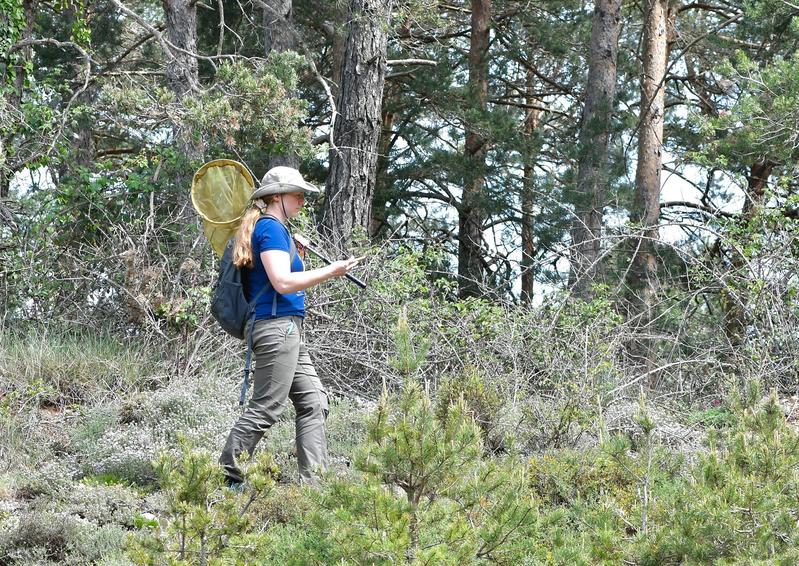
<point>285,281</point>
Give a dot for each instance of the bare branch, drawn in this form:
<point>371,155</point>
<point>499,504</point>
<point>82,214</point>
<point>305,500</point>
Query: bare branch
<point>398,62</point>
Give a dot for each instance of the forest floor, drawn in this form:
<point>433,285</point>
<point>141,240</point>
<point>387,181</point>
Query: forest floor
<point>640,483</point>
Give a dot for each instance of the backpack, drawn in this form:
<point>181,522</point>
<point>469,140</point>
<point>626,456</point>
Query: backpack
<point>229,305</point>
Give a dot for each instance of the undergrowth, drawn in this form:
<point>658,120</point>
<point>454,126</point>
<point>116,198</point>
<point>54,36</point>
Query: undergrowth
<point>473,465</point>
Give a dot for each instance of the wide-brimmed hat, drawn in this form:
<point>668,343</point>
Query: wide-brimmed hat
<point>279,180</point>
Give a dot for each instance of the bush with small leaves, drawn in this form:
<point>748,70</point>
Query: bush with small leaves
<point>34,536</point>
<point>125,452</point>
<point>424,495</point>
<point>204,518</point>
<point>199,409</point>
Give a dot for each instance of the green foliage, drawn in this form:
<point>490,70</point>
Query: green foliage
<point>410,448</point>
<point>455,507</point>
<point>11,25</point>
<point>716,417</point>
<point>422,489</point>
<point>479,397</point>
<point>202,514</point>
<point>411,350</point>
<point>755,128</point>
<point>736,504</point>
<point>254,104</point>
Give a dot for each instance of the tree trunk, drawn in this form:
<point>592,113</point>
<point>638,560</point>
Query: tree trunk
<point>277,39</point>
<point>586,230</point>
<point>470,211</point>
<point>733,303</point>
<point>531,120</point>
<point>338,48</point>
<point>277,35</point>
<point>382,187</point>
<point>353,162</point>
<point>181,67</point>
<point>642,276</point>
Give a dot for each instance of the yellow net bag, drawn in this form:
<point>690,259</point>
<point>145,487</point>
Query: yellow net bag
<point>220,192</point>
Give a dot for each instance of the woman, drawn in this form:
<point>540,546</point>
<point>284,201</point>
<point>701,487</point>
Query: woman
<point>283,368</point>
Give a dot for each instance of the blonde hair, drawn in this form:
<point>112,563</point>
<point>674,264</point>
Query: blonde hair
<point>242,251</point>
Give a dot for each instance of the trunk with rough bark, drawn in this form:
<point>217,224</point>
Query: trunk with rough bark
<point>470,212</point>
<point>590,192</point>
<point>277,35</point>
<point>278,18</point>
<point>378,221</point>
<point>353,160</point>
<point>642,276</point>
<point>181,65</point>
<point>531,121</point>
<point>339,47</point>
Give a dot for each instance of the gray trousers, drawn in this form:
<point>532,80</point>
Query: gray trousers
<point>283,371</point>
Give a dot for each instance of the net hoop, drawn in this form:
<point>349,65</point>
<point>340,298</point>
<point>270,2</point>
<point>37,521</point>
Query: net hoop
<point>224,176</point>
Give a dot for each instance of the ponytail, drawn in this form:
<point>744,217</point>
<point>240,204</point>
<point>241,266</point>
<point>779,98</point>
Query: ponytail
<point>242,250</point>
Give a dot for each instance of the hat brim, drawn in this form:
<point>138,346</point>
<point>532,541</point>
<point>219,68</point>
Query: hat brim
<point>283,188</point>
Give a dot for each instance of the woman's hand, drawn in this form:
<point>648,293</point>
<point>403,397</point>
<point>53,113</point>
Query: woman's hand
<point>343,266</point>
<point>276,263</point>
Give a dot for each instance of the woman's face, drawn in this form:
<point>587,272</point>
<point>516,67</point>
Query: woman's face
<point>293,202</point>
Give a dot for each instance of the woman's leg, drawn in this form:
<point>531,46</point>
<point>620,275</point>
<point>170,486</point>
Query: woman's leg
<point>276,345</point>
<point>310,402</point>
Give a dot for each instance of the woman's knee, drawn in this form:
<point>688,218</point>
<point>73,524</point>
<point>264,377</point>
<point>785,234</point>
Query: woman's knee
<point>312,404</point>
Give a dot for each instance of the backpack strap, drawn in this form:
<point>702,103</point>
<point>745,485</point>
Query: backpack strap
<point>245,384</point>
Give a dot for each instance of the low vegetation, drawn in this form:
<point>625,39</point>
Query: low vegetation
<point>466,448</point>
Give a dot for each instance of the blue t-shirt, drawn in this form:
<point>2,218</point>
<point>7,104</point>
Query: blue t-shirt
<point>270,234</point>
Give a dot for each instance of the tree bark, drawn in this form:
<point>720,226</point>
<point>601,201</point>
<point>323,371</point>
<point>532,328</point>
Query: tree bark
<point>382,187</point>
<point>470,212</point>
<point>181,68</point>
<point>531,121</point>
<point>353,161</point>
<point>590,192</point>
<point>338,48</point>
<point>278,39</point>
<point>277,35</point>
<point>642,277</point>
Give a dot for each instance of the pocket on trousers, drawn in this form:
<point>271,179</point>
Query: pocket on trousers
<point>270,336</point>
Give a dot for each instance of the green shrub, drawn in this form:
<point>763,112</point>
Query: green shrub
<point>424,495</point>
<point>481,400</point>
<point>202,515</point>
<point>739,502</point>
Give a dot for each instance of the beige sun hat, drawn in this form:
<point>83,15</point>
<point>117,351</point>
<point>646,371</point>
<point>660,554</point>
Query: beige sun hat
<point>279,180</point>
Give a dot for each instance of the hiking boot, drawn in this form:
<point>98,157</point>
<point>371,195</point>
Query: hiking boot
<point>234,486</point>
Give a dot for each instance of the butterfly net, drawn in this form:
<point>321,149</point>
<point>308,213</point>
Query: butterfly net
<point>220,192</point>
